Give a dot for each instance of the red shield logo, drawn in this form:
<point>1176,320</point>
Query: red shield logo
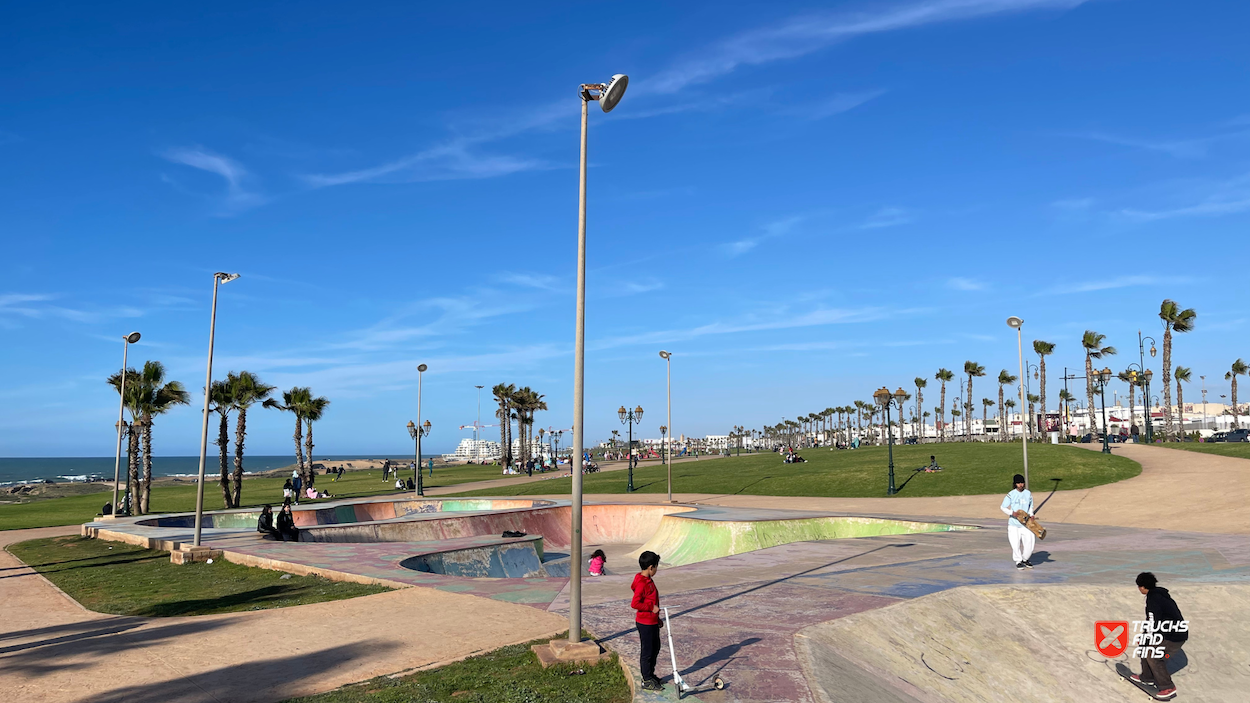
<point>1111,637</point>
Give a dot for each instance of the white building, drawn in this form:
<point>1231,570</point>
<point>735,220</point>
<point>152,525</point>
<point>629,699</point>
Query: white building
<point>475,449</point>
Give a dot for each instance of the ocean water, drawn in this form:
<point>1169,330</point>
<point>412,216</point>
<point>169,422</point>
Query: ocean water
<point>27,470</point>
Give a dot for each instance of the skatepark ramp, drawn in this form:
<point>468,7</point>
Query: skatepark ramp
<point>1026,643</point>
<point>683,539</point>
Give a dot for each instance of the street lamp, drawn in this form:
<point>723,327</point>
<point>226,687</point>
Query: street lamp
<point>630,418</point>
<point>218,278</point>
<point>608,94</point>
<point>668,447</point>
<point>1017,323</point>
<point>1141,355</point>
<point>416,432</point>
<point>425,429</point>
<point>1103,377</point>
<point>121,407</point>
<point>885,400</point>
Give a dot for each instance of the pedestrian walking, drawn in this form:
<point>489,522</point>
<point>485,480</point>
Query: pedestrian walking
<point>1019,500</point>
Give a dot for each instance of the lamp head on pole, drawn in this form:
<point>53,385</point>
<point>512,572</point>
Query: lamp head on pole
<point>638,413</point>
<point>664,354</point>
<point>412,429</point>
<point>426,427</point>
<point>1152,349</point>
<point>882,396</point>
<point>132,337</point>
<point>1014,322</point>
<point>622,413</point>
<point>663,430</point>
<point>421,368</point>
<point>900,395</point>
<point>225,277</point>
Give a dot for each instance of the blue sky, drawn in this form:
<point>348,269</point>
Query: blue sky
<point>803,203</point>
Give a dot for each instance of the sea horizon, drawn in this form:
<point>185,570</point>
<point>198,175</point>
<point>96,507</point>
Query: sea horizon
<point>18,470</point>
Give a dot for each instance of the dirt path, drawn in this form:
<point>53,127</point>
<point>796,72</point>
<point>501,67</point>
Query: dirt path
<point>53,650</point>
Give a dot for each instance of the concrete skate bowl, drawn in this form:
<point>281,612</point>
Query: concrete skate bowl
<point>682,539</point>
<point>1028,643</point>
<point>507,558</point>
<point>346,514</point>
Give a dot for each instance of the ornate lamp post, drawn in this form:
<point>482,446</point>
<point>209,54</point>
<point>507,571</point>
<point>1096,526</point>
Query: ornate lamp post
<point>630,418</point>
<point>1103,378</point>
<point>885,400</point>
<point>417,432</point>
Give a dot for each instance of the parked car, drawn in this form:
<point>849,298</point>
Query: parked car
<point>1237,436</point>
<point>1217,437</point>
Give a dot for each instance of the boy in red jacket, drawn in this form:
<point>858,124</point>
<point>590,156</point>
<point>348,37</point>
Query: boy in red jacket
<point>647,603</point>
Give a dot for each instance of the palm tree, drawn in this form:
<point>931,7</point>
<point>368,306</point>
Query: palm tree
<point>901,427</point>
<point>1004,379</point>
<point>1065,400</point>
<point>921,384</point>
<point>221,401</point>
<point>293,401</point>
<point>1239,368</point>
<point>1010,403</point>
<point>312,411</point>
<point>943,376</point>
<point>247,390</point>
<point>1127,375</point>
<point>859,419</point>
<point>1179,321</point>
<point>1043,350</point>
<point>131,429</point>
<point>503,395</point>
<point>986,404</point>
<point>974,370</point>
<point>1183,375</point>
<point>1094,349</point>
<point>156,397</point>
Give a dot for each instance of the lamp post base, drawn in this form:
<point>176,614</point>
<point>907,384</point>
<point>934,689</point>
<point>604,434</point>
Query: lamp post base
<point>563,651</point>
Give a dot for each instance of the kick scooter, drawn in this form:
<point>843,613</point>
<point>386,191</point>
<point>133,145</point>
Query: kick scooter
<point>678,682</point>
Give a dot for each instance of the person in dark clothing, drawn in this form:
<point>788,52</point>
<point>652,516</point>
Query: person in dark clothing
<point>264,525</point>
<point>647,602</point>
<point>410,485</point>
<point>286,524</point>
<point>1171,624</point>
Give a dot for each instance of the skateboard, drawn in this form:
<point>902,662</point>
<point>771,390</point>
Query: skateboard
<point>1031,523</point>
<point>1123,670</point>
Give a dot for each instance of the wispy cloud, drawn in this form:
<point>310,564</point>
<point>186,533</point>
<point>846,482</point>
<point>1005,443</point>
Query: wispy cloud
<point>444,316</point>
<point>237,196</point>
<point>839,103</point>
<point>776,228</point>
<point>1179,148</point>
<point>887,217</point>
<point>807,34</point>
<point>35,306</point>
<point>1224,198</point>
<point>635,286</point>
<point>959,283</point>
<point>533,280</point>
<point>1114,283</point>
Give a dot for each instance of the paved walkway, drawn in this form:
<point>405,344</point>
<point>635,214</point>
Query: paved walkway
<point>53,650</point>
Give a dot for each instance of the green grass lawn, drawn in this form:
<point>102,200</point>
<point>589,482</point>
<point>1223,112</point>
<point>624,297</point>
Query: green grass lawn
<point>1241,450</point>
<point>121,579</point>
<point>970,469</point>
<point>172,498</point>
<point>507,675</point>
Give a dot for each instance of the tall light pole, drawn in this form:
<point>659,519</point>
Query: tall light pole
<point>121,408</point>
<point>424,429</point>
<point>608,94</point>
<point>885,400</point>
<point>668,447</point>
<point>1141,355</point>
<point>479,416</point>
<point>1204,421</point>
<point>1017,323</point>
<point>218,278</point>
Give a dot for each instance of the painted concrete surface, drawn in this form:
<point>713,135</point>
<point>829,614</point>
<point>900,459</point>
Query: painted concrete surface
<point>1023,643</point>
<point>54,651</point>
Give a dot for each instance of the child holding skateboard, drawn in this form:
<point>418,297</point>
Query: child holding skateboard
<point>1175,630</point>
<point>1019,500</point>
<point>647,602</point>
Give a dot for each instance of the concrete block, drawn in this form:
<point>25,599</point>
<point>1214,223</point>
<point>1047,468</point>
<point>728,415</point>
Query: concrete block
<point>585,652</point>
<point>189,555</point>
